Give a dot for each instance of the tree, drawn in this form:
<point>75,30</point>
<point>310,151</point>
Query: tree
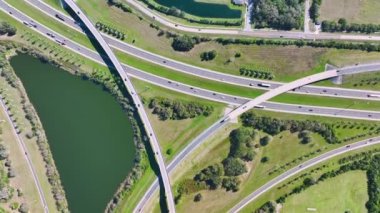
<point>198,197</point>
<point>231,184</point>
<point>208,56</point>
<point>183,43</point>
<point>233,167</point>
<point>265,140</point>
<point>264,159</point>
<point>3,152</point>
<point>23,208</point>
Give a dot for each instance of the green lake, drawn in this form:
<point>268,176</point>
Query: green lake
<point>202,9</point>
<point>89,135</point>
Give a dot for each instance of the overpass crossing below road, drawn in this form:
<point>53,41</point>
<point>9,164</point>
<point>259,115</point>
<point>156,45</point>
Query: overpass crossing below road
<point>152,137</point>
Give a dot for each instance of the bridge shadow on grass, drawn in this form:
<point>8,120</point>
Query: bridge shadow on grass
<point>136,117</point>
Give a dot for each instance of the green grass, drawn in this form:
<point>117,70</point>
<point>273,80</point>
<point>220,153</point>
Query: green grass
<point>176,134</point>
<point>354,11</point>
<point>284,148</point>
<point>52,23</point>
<point>344,192</point>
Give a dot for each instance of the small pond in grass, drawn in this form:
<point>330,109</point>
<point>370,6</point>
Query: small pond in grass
<point>202,9</point>
<point>89,135</point>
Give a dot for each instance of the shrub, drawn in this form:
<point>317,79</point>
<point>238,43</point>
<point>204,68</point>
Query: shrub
<point>23,208</point>
<point>183,43</point>
<point>208,56</point>
<point>198,197</point>
<point>265,140</point>
<point>233,167</point>
<point>231,184</point>
<point>264,159</point>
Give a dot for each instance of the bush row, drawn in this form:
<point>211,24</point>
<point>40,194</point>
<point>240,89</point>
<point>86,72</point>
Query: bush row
<point>256,73</point>
<point>273,126</point>
<point>120,4</point>
<point>342,26</point>
<point>177,110</point>
<point>110,30</point>
<point>370,47</point>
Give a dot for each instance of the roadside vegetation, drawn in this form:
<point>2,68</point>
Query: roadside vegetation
<point>233,18</point>
<point>282,14</point>
<point>285,62</point>
<point>274,154</point>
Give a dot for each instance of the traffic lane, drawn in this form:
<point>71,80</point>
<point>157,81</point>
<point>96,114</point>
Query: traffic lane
<point>180,87</point>
<point>179,66</point>
<point>302,167</point>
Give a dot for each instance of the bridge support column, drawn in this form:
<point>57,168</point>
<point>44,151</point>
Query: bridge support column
<point>336,80</point>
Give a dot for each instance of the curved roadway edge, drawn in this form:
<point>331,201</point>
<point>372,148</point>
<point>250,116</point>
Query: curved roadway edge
<point>152,137</point>
<point>255,33</point>
<point>190,90</point>
<point>234,114</point>
<point>214,75</point>
<point>312,162</point>
<point>23,148</point>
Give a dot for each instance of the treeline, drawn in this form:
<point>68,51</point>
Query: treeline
<point>120,4</point>
<point>185,43</point>
<point>110,30</point>
<point>256,73</point>
<point>37,130</point>
<point>370,47</point>
<point>314,10</point>
<point>278,14</point>
<point>177,110</point>
<point>367,161</point>
<point>225,174</point>
<point>7,29</point>
<point>273,126</point>
<point>342,26</point>
<point>173,11</point>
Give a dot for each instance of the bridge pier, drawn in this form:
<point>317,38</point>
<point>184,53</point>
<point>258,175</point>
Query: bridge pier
<point>336,80</point>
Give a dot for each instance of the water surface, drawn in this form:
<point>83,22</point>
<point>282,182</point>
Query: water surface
<point>88,133</point>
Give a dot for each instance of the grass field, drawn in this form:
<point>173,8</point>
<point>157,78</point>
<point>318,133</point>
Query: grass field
<point>286,63</point>
<point>346,192</point>
<point>354,11</point>
<point>175,134</point>
<point>24,179</point>
<point>284,148</point>
<point>294,181</point>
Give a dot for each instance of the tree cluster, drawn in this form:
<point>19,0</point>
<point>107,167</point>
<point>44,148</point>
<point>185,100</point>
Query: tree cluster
<point>314,10</point>
<point>7,29</point>
<point>185,43</point>
<point>110,30</point>
<point>178,110</point>
<point>241,143</point>
<point>208,55</point>
<point>278,14</point>
<point>273,126</point>
<point>366,46</point>
<point>342,26</point>
<point>120,4</point>
<point>226,174</point>
<point>256,73</point>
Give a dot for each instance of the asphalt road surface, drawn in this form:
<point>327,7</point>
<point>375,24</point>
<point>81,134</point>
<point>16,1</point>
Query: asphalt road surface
<point>218,76</point>
<point>136,100</point>
<point>187,89</point>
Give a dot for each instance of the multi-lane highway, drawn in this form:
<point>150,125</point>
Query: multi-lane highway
<point>312,162</point>
<point>214,75</point>
<point>187,89</point>
<point>197,91</point>
<point>254,33</point>
<point>136,100</point>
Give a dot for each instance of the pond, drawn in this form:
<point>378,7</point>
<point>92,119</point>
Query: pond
<point>89,135</point>
<point>202,9</point>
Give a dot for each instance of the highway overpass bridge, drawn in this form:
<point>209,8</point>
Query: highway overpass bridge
<point>127,83</point>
